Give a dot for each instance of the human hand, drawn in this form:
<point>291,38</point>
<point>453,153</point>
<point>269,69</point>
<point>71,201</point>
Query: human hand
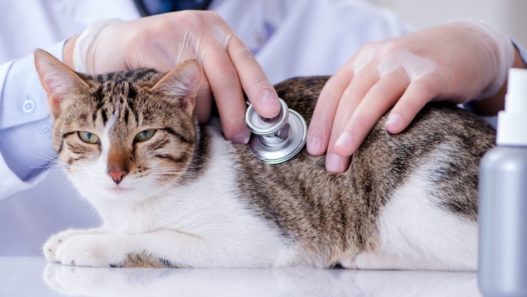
<point>162,41</point>
<point>455,62</point>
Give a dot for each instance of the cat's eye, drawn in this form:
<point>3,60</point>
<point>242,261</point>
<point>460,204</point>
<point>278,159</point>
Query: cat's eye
<point>145,135</point>
<point>88,137</point>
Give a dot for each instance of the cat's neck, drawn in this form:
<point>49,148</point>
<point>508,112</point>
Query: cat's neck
<point>200,156</point>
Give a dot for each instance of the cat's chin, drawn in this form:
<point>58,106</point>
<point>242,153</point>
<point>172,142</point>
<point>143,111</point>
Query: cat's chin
<point>119,189</point>
<point>118,194</point>
<point>129,191</point>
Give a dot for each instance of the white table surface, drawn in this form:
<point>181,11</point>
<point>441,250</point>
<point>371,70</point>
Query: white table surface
<point>20,276</point>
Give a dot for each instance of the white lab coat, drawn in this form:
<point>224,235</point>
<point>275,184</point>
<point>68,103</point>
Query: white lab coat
<point>289,37</point>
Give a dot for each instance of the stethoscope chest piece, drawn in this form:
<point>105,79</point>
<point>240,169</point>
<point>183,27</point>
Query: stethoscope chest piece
<point>278,139</point>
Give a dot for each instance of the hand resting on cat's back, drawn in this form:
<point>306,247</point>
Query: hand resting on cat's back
<point>172,193</point>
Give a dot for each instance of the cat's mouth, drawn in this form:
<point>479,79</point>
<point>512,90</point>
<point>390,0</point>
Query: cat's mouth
<point>118,189</point>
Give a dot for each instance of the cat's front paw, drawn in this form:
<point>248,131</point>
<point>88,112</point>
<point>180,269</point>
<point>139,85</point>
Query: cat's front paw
<point>87,250</point>
<point>50,247</point>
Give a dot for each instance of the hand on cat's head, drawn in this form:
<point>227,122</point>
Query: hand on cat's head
<point>162,41</point>
<point>112,130</point>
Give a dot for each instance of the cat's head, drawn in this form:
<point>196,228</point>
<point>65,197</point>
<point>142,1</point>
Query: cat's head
<point>123,135</point>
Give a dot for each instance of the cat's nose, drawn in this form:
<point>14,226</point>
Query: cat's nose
<point>117,174</point>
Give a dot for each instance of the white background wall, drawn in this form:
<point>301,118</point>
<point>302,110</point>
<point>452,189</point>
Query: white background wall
<point>508,16</point>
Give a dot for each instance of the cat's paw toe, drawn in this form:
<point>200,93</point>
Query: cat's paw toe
<point>49,251</point>
<point>83,250</point>
<point>52,244</point>
<point>50,247</point>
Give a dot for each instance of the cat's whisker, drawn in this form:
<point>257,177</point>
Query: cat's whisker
<point>83,171</point>
<point>42,157</point>
<point>52,162</point>
<point>163,174</point>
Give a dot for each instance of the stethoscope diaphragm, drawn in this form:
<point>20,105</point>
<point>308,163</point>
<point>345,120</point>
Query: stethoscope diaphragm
<point>279,139</point>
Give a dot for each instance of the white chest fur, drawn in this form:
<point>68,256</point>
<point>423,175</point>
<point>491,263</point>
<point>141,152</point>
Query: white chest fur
<point>208,208</point>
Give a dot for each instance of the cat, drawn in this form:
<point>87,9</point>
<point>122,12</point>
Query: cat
<point>173,193</point>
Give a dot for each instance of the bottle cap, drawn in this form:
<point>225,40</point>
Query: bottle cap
<point>512,122</point>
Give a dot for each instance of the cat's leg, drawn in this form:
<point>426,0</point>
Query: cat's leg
<point>167,248</point>
<point>49,249</point>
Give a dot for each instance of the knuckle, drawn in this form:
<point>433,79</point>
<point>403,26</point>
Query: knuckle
<point>409,107</point>
<point>368,47</point>
<point>321,123</point>
<point>158,25</point>
<point>350,93</point>
<point>331,94</point>
<point>139,36</point>
<point>359,118</point>
<point>424,88</point>
<point>193,20</point>
<point>390,47</point>
<point>224,72</point>
<point>371,47</point>
<point>258,88</point>
<point>384,90</point>
<point>379,92</point>
<point>243,53</point>
<point>262,85</point>
<point>364,57</point>
<point>212,15</point>
<point>360,123</point>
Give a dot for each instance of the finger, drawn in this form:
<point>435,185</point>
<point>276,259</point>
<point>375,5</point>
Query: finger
<point>412,101</point>
<point>376,102</point>
<point>253,79</point>
<point>227,92</point>
<point>352,97</point>
<point>324,112</point>
<point>203,103</point>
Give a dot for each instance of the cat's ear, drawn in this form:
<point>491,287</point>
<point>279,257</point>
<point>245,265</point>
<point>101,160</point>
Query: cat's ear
<point>59,81</point>
<point>182,83</point>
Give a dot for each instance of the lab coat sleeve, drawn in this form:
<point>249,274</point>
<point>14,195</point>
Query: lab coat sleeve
<point>25,125</point>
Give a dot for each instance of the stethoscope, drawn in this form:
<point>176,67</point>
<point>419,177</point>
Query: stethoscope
<point>279,139</point>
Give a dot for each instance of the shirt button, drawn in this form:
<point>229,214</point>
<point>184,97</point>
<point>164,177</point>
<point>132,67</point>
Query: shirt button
<point>28,106</point>
<point>45,129</point>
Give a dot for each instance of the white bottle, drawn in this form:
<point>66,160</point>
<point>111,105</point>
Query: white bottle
<point>503,199</point>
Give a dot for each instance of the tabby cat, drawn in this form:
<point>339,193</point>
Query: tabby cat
<point>172,193</point>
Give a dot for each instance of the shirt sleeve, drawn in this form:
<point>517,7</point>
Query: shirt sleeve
<point>521,50</point>
<point>25,124</point>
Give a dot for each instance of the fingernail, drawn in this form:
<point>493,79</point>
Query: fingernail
<point>334,163</point>
<point>315,146</point>
<point>270,104</point>
<point>344,141</point>
<point>393,122</point>
<point>242,137</point>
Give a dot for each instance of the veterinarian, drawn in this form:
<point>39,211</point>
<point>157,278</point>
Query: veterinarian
<point>243,45</point>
